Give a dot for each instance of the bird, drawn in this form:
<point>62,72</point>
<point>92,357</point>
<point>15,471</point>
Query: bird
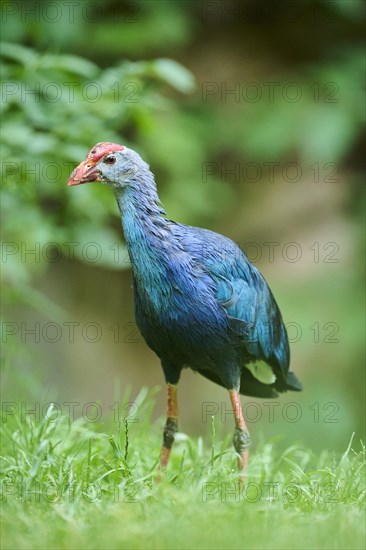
<point>198,300</point>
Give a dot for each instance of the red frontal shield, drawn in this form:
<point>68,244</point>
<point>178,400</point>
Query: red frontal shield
<point>87,170</point>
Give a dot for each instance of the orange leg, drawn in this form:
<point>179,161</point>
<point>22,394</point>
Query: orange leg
<point>241,434</point>
<point>171,425</point>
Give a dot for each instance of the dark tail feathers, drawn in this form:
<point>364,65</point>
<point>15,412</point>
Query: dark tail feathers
<point>293,383</point>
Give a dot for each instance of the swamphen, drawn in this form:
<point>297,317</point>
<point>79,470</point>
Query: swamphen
<point>199,302</point>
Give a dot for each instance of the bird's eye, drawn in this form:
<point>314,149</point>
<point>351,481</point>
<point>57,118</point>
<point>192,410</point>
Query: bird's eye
<point>111,159</point>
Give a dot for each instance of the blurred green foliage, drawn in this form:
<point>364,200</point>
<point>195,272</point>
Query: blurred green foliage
<point>56,105</point>
<point>54,108</point>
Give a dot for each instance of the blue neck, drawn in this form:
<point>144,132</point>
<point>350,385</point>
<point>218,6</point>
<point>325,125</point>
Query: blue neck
<point>147,232</point>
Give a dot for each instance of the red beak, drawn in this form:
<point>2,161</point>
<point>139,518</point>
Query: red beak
<point>85,172</point>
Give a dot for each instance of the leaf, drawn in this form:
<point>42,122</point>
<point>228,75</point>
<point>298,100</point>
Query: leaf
<point>17,53</point>
<point>70,63</point>
<point>175,74</point>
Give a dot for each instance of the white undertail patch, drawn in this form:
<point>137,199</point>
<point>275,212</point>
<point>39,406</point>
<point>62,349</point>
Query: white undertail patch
<point>262,372</point>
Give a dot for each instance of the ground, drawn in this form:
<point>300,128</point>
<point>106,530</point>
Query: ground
<point>75,485</point>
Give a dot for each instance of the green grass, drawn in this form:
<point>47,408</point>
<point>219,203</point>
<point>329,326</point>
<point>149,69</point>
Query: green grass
<point>72,484</point>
